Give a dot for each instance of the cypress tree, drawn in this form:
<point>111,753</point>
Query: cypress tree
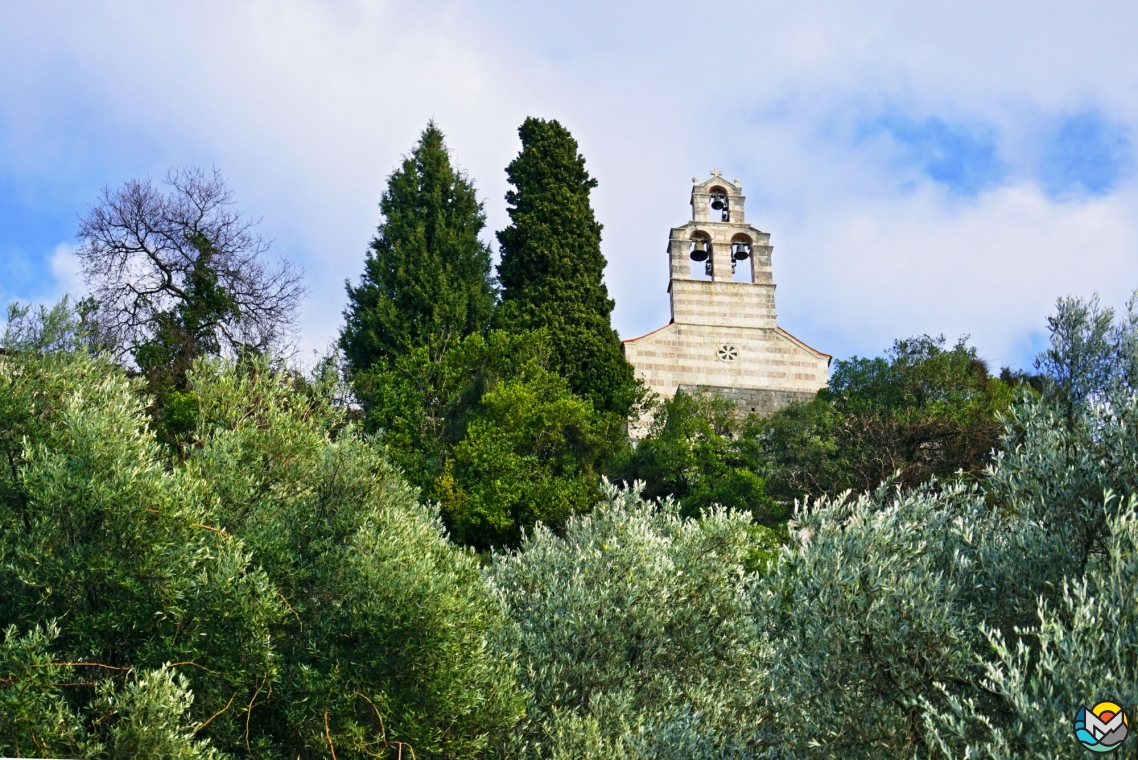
<point>426,279</point>
<point>552,266</point>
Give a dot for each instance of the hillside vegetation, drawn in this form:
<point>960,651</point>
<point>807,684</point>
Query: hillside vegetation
<point>440,543</point>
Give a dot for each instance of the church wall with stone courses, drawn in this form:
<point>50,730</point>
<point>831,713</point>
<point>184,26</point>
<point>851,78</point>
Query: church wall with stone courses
<point>724,335</point>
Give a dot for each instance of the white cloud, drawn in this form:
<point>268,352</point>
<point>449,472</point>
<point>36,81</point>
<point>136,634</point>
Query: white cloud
<point>308,106</point>
<point>992,270</point>
<point>67,272</point>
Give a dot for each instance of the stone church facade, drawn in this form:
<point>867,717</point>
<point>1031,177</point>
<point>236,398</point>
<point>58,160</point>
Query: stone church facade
<point>724,336</point>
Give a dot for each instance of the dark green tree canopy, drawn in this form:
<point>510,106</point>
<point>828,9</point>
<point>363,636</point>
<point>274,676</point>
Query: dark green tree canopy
<point>702,453</point>
<point>189,329</point>
<point>552,266</point>
<point>922,410</point>
<point>492,435</point>
<point>426,280</point>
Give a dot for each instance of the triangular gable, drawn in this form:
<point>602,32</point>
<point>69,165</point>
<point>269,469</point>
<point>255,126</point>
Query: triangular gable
<point>811,349</point>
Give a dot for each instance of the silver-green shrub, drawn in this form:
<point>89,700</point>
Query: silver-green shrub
<point>147,716</point>
<point>1066,457</point>
<point>963,621</point>
<point>634,630</point>
<point>34,715</point>
<point>882,599</point>
<point>1081,650</point>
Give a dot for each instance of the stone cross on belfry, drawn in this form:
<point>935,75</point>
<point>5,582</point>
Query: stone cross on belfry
<point>716,173</point>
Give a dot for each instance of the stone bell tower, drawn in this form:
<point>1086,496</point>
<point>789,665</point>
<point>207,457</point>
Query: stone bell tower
<point>724,336</point>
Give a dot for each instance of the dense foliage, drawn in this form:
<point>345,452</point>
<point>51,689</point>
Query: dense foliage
<point>426,280</point>
<point>206,555</point>
<point>275,592</point>
<point>970,619</point>
<point>955,622</point>
<point>700,452</point>
<point>495,425</point>
<point>921,411</point>
<point>552,266</point>
<point>493,435</point>
<point>634,631</point>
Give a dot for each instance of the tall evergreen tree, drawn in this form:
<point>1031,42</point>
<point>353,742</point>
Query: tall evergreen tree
<point>552,266</point>
<point>426,278</point>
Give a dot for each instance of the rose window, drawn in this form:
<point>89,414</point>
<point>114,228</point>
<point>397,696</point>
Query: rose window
<point>728,353</point>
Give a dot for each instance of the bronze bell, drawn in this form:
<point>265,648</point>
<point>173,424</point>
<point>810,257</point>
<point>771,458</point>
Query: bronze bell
<point>699,251</point>
<point>741,252</point>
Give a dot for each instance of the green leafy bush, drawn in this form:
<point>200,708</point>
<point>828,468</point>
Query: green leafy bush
<point>882,599</point>
<point>99,535</point>
<point>1080,650</point>
<point>386,618</point>
<point>700,452</point>
<point>962,621</point>
<point>34,714</point>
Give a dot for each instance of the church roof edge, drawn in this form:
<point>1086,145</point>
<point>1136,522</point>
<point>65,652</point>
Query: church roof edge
<point>829,357</point>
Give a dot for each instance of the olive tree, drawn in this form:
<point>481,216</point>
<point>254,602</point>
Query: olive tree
<point>1080,649</point>
<point>278,591</point>
<point>972,620</point>
<point>633,630</point>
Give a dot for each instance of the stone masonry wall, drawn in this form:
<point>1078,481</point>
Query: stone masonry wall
<point>762,401</point>
<point>724,357</point>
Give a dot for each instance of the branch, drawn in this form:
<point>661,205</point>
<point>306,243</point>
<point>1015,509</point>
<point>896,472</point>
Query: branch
<point>328,736</point>
<point>219,712</point>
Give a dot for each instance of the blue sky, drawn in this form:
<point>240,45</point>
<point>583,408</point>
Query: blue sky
<point>940,168</point>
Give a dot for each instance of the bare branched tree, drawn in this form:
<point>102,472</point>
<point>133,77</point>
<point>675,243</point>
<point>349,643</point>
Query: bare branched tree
<point>147,252</point>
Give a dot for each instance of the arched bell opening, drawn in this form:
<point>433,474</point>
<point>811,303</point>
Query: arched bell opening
<point>742,258</point>
<point>717,199</point>
<point>701,258</point>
